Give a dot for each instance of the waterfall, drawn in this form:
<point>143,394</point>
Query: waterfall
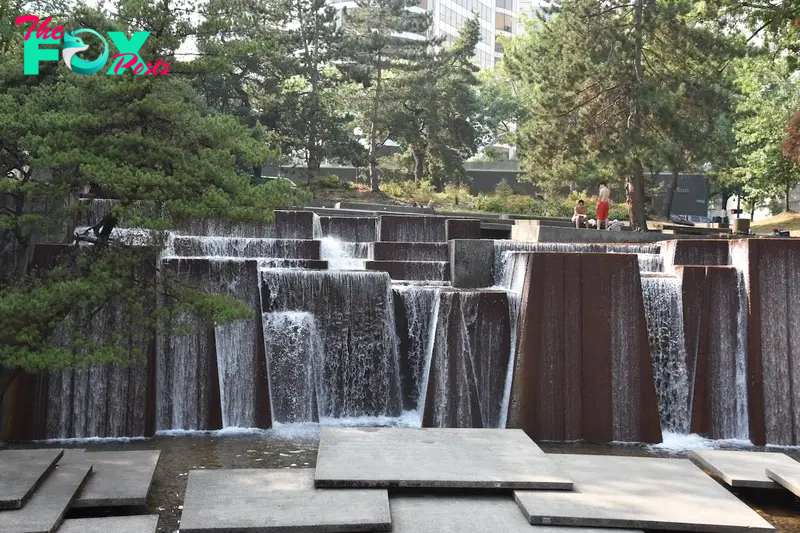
<point>650,262</point>
<point>468,357</point>
<point>663,305</point>
<point>502,247</point>
<point>418,305</point>
<point>354,315</point>
<point>193,356</point>
<point>102,401</point>
<point>344,255</point>
<point>316,227</point>
<point>220,247</point>
<point>295,364</point>
<point>742,412</point>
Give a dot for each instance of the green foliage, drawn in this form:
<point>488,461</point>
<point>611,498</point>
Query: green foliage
<point>331,181</point>
<point>769,97</point>
<point>145,140</point>
<point>436,110</point>
<point>374,51</point>
<point>610,86</point>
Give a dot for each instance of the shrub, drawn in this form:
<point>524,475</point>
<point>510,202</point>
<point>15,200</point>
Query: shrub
<point>331,181</point>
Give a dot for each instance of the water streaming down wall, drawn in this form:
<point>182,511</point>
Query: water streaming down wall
<point>207,376</point>
<point>213,246</point>
<point>103,401</point>
<point>650,263</point>
<point>354,315</point>
<point>295,363</point>
<point>663,304</point>
<point>412,228</point>
<point>344,255</point>
<point>350,229</point>
<point>715,318</point>
<point>414,308</point>
<point>469,350</point>
<point>503,247</point>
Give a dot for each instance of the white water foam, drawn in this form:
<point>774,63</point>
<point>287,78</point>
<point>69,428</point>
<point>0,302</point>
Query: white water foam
<point>678,442</point>
<point>344,255</point>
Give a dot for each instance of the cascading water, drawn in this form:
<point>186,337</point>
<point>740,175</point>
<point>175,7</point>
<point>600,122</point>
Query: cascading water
<point>209,246</point>
<point>344,255</point>
<point>354,315</point>
<point>502,247</point>
<point>418,304</point>
<point>650,263</point>
<point>467,356</point>
<point>295,364</point>
<point>663,305</point>
<point>185,357</point>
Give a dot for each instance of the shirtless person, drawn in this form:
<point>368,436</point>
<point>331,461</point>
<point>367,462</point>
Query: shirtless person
<point>602,206</point>
<point>579,215</point>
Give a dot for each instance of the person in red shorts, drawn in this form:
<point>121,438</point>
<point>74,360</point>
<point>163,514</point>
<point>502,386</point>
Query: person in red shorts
<point>602,206</point>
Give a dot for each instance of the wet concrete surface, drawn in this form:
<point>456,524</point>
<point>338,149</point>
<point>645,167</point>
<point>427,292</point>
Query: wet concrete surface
<point>298,449</point>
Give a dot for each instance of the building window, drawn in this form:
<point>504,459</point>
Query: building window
<point>498,48</point>
<point>504,22</point>
<point>424,4</point>
<point>506,4</point>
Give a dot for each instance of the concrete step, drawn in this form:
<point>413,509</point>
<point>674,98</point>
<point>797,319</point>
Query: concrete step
<point>413,270</point>
<point>410,251</point>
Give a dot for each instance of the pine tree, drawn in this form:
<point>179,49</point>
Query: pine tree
<point>142,140</point>
<point>383,38</point>
<point>609,83</point>
<point>437,109</point>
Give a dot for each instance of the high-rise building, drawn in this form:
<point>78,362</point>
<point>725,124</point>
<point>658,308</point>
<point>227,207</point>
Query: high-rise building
<point>497,18</point>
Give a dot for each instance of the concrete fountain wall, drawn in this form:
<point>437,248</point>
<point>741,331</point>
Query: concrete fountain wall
<point>583,369</point>
<point>772,278</point>
<point>586,344</point>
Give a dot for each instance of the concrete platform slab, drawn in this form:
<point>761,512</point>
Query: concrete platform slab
<point>112,524</point>
<point>454,458</point>
<point>45,510</point>
<point>787,475</point>
<point>642,493</point>
<point>21,471</point>
<point>415,513</point>
<point>268,501</point>
<point>743,468</point>
<point>118,478</point>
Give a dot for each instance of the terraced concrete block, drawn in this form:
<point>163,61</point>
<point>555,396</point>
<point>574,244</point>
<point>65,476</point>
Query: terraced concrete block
<point>440,458</point>
<point>642,493</point>
<point>743,468</point>
<point>268,501</point>
<point>112,524</point>
<point>414,513</point>
<point>21,471</point>
<point>118,478</point>
<point>787,475</point>
<point>412,270</point>
<point>45,510</point>
<point>471,263</point>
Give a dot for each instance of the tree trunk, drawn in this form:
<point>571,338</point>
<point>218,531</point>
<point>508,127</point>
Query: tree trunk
<point>752,211</point>
<point>374,179</point>
<point>312,167</point>
<point>726,195</point>
<point>419,165</point>
<point>672,185</point>
<point>788,193</point>
<point>636,178</point>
